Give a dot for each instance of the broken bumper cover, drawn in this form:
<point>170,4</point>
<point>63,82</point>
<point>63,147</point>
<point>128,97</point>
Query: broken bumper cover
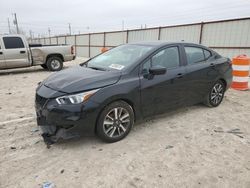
<point>51,134</point>
<point>65,121</point>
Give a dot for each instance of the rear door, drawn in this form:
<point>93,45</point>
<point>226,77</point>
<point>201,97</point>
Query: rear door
<point>2,60</point>
<point>162,92</point>
<point>201,72</point>
<point>15,52</point>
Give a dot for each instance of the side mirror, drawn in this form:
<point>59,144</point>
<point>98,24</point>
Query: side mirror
<point>157,70</point>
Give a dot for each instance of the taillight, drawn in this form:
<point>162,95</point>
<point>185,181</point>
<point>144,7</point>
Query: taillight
<point>72,50</point>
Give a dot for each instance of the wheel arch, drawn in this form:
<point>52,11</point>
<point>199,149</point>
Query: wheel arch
<point>126,100</point>
<point>223,81</point>
<point>54,55</point>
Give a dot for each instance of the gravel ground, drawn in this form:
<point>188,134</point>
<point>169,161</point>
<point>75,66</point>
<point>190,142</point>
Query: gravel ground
<point>190,147</point>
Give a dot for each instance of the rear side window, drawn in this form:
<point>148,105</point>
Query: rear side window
<point>207,54</point>
<point>13,42</point>
<point>194,55</point>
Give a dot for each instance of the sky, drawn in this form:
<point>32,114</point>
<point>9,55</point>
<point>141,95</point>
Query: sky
<point>84,16</point>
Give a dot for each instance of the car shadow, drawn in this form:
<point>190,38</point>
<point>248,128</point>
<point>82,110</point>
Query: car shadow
<point>174,112</point>
<point>94,142</point>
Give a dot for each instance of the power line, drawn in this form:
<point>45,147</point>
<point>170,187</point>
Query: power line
<point>194,14</point>
<point>233,6</point>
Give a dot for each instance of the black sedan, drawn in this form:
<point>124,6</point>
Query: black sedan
<point>108,93</point>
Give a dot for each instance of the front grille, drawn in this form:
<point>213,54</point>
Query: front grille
<point>41,101</point>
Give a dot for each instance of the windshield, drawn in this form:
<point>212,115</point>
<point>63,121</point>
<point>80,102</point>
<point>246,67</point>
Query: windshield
<point>118,58</point>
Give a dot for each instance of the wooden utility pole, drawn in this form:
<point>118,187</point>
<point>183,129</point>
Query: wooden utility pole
<point>16,23</point>
<point>122,25</point>
<point>49,31</point>
<point>9,26</point>
<point>69,29</point>
<point>31,34</point>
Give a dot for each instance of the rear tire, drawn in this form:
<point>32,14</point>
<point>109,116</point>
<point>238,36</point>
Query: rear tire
<point>54,63</point>
<point>215,95</point>
<point>115,121</point>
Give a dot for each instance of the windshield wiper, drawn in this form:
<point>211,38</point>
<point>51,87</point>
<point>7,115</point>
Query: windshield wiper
<point>98,68</point>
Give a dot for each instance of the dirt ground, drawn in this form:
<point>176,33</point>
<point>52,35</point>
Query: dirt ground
<point>190,147</point>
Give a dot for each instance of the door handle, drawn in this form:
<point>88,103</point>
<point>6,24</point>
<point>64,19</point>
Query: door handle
<point>1,53</point>
<point>180,75</point>
<point>22,52</point>
<point>212,65</point>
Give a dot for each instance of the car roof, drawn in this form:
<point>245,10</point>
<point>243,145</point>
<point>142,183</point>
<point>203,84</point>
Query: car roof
<point>164,43</point>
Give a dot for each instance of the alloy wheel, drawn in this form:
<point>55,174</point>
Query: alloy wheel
<point>217,94</point>
<point>116,122</point>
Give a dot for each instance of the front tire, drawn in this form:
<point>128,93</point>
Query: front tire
<point>54,63</point>
<point>115,121</point>
<point>216,94</point>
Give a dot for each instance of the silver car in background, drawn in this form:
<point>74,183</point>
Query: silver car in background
<point>15,52</point>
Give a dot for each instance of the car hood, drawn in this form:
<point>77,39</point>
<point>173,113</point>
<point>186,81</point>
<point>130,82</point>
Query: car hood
<point>79,79</point>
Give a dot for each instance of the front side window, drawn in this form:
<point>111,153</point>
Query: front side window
<point>13,42</point>
<point>146,66</point>
<point>168,58</point>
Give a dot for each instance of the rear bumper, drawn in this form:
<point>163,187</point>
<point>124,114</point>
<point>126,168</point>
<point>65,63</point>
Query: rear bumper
<point>228,78</point>
<point>229,83</point>
<point>69,57</point>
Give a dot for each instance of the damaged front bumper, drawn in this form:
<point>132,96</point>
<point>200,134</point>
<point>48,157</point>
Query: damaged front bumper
<point>64,121</point>
<point>52,134</point>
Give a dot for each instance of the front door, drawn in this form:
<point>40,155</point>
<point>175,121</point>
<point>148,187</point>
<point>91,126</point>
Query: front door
<point>162,92</point>
<point>15,53</point>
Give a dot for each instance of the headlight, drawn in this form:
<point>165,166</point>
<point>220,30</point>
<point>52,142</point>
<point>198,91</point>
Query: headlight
<point>77,98</point>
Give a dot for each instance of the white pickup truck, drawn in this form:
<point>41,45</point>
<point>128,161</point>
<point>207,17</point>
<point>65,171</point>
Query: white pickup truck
<point>15,52</point>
